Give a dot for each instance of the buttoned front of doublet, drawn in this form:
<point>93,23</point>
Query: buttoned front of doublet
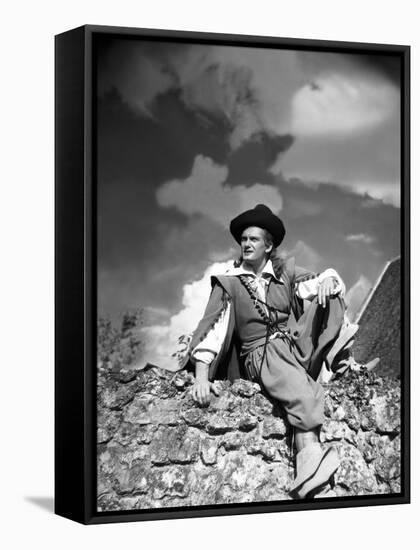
<point>251,326</point>
<point>279,297</point>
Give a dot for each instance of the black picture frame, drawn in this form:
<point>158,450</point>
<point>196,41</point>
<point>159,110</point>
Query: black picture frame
<point>75,274</point>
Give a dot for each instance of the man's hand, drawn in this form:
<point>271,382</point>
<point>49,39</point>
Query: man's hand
<point>201,391</point>
<point>325,290</point>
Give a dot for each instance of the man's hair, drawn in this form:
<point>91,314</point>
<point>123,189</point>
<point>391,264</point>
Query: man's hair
<point>268,240</point>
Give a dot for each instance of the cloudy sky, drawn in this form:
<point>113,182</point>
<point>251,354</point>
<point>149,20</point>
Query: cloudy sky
<point>191,135</point>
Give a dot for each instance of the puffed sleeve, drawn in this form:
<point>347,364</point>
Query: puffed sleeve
<point>307,283</point>
<point>211,344</point>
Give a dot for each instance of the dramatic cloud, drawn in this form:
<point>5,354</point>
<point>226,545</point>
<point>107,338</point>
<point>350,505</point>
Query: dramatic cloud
<point>327,101</point>
<point>191,135</point>
<point>161,341</point>
<point>346,123</point>
<point>203,193</point>
<point>246,86</point>
<point>282,91</point>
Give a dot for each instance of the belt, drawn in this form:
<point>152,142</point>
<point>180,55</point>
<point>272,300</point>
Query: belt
<point>251,346</point>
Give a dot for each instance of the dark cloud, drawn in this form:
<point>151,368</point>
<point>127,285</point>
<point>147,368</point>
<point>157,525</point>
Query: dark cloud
<point>135,237</point>
<point>153,149</point>
<point>136,65</point>
<point>387,65</point>
<point>250,163</point>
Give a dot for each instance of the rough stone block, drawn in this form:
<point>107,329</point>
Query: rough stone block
<point>184,446</point>
<point>138,411</point>
<point>126,434</point>
<point>225,402</point>
<point>245,388</point>
<point>165,411</point>
<point>117,397</point>
<point>387,414</point>
<point>160,446</point>
<point>171,482</point>
<point>108,423</point>
<point>232,441</point>
<point>195,417</point>
<point>353,473</point>
<point>259,406</point>
<point>274,427</point>
<point>220,424</point>
<point>336,431</point>
<point>208,451</point>
<point>132,455</point>
<point>145,434</point>
<point>132,480</point>
<point>248,422</point>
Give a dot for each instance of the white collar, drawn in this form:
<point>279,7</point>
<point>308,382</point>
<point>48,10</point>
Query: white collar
<point>267,269</point>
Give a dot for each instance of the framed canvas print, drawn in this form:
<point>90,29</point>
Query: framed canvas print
<point>232,274</point>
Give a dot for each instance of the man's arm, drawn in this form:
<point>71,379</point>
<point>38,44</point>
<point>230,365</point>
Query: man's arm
<point>323,285</point>
<point>202,385</point>
<point>204,353</point>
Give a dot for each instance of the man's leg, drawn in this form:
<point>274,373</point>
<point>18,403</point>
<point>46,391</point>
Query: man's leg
<point>287,382</point>
<point>322,333</point>
<point>303,400</point>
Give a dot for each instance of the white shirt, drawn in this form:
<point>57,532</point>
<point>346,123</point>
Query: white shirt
<point>210,346</point>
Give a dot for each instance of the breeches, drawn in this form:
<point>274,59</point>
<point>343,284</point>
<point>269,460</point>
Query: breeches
<point>286,381</point>
<point>287,370</point>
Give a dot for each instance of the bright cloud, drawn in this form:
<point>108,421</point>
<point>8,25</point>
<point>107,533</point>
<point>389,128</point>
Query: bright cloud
<point>204,192</point>
<point>387,192</point>
<point>161,341</point>
<point>340,104</point>
<point>361,237</point>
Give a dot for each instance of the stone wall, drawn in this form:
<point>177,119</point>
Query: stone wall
<point>157,448</point>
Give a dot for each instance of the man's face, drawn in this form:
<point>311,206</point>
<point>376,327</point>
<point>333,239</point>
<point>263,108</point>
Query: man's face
<point>253,245</point>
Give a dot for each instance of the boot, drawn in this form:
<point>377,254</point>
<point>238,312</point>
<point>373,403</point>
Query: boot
<point>324,491</point>
<point>345,361</point>
<point>314,466</point>
<point>342,344</point>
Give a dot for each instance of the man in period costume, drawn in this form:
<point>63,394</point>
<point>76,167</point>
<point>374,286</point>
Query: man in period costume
<point>255,327</point>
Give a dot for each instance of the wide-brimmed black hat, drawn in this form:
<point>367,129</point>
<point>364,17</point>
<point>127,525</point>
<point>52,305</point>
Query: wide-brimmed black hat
<point>260,216</point>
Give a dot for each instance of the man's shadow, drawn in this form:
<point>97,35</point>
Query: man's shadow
<point>46,503</point>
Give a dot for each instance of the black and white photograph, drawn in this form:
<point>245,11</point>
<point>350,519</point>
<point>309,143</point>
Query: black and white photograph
<point>248,275</point>
<point>209,306</point>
